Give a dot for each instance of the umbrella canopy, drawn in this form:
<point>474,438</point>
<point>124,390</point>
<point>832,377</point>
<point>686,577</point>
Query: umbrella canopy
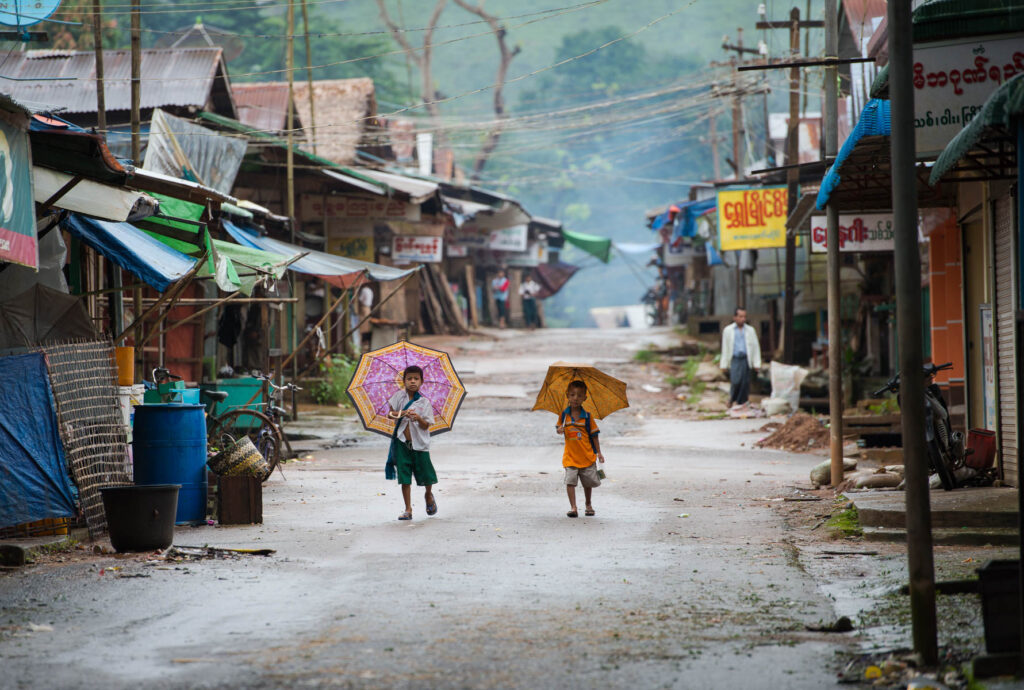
<point>379,376</point>
<point>605,394</point>
<point>40,315</point>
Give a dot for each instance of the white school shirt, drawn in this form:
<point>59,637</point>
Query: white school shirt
<point>422,407</point>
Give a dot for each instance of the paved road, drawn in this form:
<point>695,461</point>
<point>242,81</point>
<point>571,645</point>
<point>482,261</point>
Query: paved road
<point>683,579</point>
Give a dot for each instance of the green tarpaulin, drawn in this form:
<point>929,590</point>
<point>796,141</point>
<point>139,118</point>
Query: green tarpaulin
<point>1005,104</point>
<point>594,245</point>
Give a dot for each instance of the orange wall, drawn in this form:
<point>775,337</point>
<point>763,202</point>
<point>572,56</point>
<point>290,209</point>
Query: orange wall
<point>947,311</point>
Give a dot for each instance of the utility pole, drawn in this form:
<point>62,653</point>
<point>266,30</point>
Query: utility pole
<point>920,559</point>
<point>738,132</point>
<point>713,135</point>
<point>835,353</point>
<point>793,171</point>
<point>136,93</point>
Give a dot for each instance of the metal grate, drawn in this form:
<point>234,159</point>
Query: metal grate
<point>84,381</point>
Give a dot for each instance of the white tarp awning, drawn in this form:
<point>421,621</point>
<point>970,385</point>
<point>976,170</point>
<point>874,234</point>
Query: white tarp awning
<point>417,189</point>
<point>92,198</point>
<point>356,182</point>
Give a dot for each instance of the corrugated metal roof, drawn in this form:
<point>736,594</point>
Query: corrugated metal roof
<point>263,106</point>
<point>181,77</point>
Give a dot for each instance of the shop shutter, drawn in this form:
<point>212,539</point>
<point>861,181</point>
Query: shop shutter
<point>1006,343</point>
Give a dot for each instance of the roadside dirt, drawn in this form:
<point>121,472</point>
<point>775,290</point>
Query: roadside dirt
<point>800,433</point>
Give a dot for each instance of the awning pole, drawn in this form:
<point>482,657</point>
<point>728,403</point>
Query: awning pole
<point>920,559</point>
<point>326,315</point>
<point>199,313</point>
<point>349,332</point>
<point>170,294</point>
<point>835,338</point>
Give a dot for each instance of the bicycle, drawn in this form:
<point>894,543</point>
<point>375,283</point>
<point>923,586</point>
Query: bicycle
<point>275,400</point>
<point>225,428</point>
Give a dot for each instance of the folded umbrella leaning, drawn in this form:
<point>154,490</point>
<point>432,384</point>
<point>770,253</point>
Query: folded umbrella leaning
<point>605,394</point>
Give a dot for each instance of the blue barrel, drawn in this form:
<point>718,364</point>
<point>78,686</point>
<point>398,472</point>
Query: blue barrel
<point>169,447</point>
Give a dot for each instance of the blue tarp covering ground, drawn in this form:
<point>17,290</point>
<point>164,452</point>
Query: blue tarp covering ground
<point>314,263</point>
<point>33,481</point>
<point>874,121</point>
<point>156,264</point>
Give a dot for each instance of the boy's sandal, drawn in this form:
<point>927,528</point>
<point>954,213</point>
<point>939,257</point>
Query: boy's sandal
<point>432,507</point>
<point>407,515</point>
<point>572,513</point>
<point>588,512</point>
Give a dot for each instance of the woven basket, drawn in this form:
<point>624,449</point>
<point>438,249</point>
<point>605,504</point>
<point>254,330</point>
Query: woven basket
<point>239,459</point>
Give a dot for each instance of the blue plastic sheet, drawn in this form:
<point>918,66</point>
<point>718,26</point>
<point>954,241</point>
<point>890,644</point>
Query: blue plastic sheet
<point>874,121</point>
<point>33,480</point>
<point>156,264</point>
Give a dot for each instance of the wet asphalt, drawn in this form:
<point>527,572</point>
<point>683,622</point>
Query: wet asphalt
<point>685,578</point>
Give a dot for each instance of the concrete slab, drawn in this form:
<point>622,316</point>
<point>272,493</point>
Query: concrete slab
<point>964,536</point>
<point>978,507</point>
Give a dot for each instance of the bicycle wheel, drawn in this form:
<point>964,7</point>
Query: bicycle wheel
<point>252,423</point>
<point>938,462</point>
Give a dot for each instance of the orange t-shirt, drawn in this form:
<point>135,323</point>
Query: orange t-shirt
<point>578,451</point>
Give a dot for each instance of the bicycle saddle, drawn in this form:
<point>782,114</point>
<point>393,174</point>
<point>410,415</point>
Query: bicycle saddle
<point>219,396</point>
<point>279,411</point>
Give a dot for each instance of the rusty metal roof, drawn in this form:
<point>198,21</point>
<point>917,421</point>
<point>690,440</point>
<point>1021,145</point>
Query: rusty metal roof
<point>264,106</point>
<point>65,80</point>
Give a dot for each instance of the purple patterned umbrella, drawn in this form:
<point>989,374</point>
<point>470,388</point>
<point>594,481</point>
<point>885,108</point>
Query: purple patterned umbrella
<point>379,376</point>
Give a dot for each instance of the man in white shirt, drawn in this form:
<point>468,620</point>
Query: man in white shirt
<point>365,299</point>
<point>528,289</point>
<point>741,353</point>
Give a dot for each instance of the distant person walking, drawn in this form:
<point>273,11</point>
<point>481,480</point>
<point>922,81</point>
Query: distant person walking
<point>582,448</point>
<point>500,288</point>
<point>365,309</point>
<point>529,290</point>
<point>741,353</point>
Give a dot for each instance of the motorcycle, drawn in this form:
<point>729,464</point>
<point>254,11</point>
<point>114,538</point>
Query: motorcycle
<point>946,451</point>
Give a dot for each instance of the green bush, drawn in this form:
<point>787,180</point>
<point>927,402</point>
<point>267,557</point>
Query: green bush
<point>337,372</point>
<point>646,356</point>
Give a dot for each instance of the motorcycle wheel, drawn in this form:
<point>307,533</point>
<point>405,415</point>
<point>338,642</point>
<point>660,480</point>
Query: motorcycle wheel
<point>938,462</point>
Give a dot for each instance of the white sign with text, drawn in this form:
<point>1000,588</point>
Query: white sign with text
<point>858,232</point>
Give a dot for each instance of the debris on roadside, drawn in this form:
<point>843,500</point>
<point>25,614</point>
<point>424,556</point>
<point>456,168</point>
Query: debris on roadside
<point>842,624</point>
<point>800,433</point>
<point>199,553</point>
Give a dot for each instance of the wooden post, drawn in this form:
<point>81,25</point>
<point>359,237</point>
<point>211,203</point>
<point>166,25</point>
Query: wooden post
<point>136,93</point>
<point>474,314</point>
<point>97,39</point>
<point>309,79</point>
<point>290,119</point>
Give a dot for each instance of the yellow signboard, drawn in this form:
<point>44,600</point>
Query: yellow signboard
<point>352,247</point>
<point>752,218</point>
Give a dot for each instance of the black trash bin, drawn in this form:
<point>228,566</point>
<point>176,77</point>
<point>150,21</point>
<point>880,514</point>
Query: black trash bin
<point>1000,605</point>
<point>141,518</point>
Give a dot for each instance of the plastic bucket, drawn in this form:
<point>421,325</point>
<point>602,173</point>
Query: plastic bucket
<point>125,358</point>
<point>169,447</point>
<point>140,518</point>
<point>983,443</point>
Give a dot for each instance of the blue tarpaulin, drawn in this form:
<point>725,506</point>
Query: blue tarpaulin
<point>33,481</point>
<point>874,121</point>
<point>151,260</point>
<point>314,263</point>
<point>689,212</point>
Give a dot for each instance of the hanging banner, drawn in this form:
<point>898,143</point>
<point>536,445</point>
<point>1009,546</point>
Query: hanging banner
<point>752,218</point>
<point>858,232</point>
<point>953,79</point>
<point>17,208</point>
<point>313,206</point>
<point>405,249</point>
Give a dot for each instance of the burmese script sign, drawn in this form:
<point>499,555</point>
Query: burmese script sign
<point>752,218</point>
<point>321,206</point>
<point>952,80</point>
<point>405,249</point>
<point>858,232</point>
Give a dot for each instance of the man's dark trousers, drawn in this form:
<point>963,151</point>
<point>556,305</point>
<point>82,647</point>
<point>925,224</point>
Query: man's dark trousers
<point>739,379</point>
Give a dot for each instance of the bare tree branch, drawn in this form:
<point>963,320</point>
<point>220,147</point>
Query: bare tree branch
<point>397,33</point>
<point>494,136</point>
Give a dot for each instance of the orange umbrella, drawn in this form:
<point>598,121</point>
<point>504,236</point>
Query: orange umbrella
<point>605,394</point>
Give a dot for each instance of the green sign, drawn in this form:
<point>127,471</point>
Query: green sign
<point>17,207</point>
